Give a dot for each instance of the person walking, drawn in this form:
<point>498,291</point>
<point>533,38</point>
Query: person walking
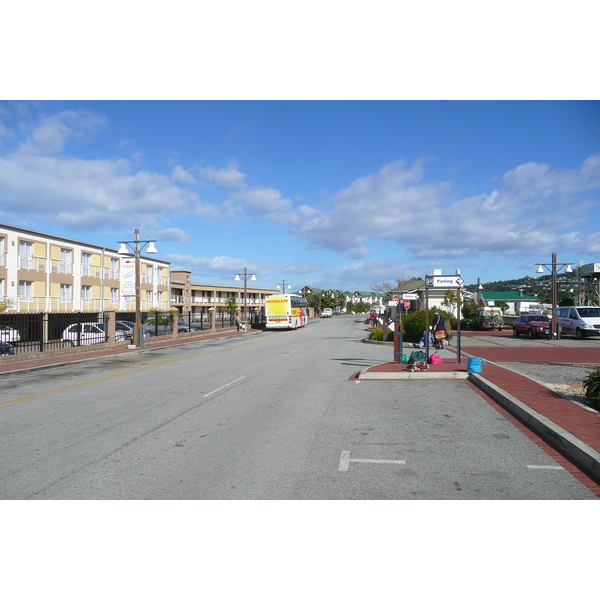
<point>439,330</point>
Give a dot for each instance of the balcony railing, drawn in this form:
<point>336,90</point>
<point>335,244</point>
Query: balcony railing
<point>217,300</point>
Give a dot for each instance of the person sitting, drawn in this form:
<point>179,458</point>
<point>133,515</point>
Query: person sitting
<point>423,341</point>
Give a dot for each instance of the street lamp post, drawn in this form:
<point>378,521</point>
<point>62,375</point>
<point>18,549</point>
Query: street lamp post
<point>289,287</point>
<point>245,275</point>
<point>135,247</point>
<point>554,269</point>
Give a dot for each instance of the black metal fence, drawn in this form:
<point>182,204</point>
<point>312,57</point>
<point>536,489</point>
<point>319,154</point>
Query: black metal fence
<point>38,332</point>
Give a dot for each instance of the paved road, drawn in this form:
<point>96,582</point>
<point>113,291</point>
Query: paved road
<point>276,415</point>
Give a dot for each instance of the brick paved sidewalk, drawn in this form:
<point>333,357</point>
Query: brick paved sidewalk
<point>578,420</point>
<point>149,344</point>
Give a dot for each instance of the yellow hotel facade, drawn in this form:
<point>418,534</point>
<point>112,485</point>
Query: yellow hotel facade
<point>40,272</point>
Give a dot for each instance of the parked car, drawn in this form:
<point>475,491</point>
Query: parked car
<point>327,313</point>
<point>130,329</point>
<point>6,349</point>
<point>531,325</point>
<point>489,317</point>
<point>8,334</point>
<point>183,327</point>
<point>83,334</point>
<point>580,321</point>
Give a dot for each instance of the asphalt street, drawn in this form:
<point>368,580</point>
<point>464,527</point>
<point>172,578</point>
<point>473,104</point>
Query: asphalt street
<point>273,415</point>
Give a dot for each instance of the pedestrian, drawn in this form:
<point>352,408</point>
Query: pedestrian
<point>423,341</point>
<point>439,330</point>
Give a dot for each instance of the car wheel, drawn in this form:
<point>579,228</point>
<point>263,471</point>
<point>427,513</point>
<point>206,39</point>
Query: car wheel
<point>515,332</point>
<point>530,334</point>
<point>580,334</point>
<point>68,343</point>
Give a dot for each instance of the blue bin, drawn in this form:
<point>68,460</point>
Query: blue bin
<point>474,365</point>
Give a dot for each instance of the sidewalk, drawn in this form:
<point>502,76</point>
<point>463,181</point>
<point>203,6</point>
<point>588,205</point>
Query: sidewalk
<point>149,344</point>
<point>570,427</point>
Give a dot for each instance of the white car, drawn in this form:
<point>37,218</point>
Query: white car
<point>83,334</point>
<point>9,335</point>
<point>580,321</point>
<point>327,313</point>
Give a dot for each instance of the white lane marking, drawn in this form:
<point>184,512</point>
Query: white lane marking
<point>544,467</point>
<point>286,355</point>
<point>345,461</point>
<point>224,386</point>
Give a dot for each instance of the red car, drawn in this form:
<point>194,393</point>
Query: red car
<point>531,325</point>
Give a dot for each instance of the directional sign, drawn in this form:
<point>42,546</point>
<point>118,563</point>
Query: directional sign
<point>443,281</point>
<point>410,296</point>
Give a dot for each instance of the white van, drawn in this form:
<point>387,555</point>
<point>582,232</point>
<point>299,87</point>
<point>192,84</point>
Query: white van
<point>580,321</point>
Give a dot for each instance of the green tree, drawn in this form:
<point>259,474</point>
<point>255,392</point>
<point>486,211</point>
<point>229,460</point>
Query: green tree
<point>231,304</point>
<point>450,300</point>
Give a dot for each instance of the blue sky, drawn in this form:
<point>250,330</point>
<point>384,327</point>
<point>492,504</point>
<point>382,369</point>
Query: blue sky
<point>341,194</point>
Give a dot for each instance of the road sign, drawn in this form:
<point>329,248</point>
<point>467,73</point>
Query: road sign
<point>393,303</point>
<point>407,304</point>
<point>410,296</point>
<point>443,281</point>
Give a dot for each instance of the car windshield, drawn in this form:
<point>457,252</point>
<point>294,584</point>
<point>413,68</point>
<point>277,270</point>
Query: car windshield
<point>589,312</point>
<point>539,318</point>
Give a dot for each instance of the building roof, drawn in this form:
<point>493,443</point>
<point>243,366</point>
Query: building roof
<point>507,297</point>
<point>409,286</point>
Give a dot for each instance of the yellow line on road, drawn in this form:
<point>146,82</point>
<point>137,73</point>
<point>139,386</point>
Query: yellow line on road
<point>166,362</point>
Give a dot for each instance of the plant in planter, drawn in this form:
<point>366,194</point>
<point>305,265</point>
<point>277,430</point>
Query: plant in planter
<point>591,388</point>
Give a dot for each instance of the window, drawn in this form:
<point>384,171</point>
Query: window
<point>148,297</point>
<point>114,268</point>
<point>25,291</point>
<point>149,271</point>
<point>86,293</point>
<point>66,262</point>
<point>65,292</point>
<point>159,298</point>
<point>86,262</point>
<point>114,295</point>
<point>26,255</point>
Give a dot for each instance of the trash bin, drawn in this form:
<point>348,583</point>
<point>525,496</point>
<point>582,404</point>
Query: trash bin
<point>474,365</point>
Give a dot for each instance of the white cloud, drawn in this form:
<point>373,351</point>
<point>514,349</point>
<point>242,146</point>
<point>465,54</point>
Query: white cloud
<point>215,266</point>
<point>527,213</point>
<point>172,234</point>
<point>181,175</point>
<point>227,177</point>
<point>87,194</point>
<point>51,133</point>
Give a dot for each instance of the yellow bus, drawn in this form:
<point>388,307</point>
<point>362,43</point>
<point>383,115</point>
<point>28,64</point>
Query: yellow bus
<point>286,311</point>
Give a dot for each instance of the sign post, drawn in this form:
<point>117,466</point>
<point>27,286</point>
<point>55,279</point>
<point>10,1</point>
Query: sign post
<point>447,282</point>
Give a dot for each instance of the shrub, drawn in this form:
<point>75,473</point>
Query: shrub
<point>413,324</point>
<point>591,388</point>
<point>376,334</point>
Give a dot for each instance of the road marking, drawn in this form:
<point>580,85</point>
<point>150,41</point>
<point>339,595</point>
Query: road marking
<point>544,467</point>
<point>224,386</point>
<point>345,461</point>
<point>286,355</point>
<point>166,362</point>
